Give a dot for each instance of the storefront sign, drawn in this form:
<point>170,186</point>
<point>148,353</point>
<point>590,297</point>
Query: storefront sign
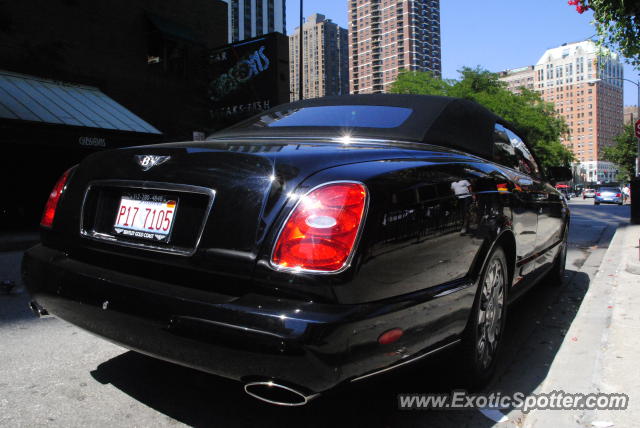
<point>93,141</point>
<point>247,77</point>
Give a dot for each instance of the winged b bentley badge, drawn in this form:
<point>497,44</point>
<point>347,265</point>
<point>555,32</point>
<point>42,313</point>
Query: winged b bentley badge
<point>147,162</point>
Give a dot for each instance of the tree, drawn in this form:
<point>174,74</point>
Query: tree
<point>534,118</point>
<point>617,25</point>
<point>624,153</point>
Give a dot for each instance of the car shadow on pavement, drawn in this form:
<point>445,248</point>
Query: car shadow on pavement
<point>535,330</point>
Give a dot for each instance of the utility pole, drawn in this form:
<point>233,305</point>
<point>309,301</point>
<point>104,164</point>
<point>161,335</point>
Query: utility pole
<point>301,35</point>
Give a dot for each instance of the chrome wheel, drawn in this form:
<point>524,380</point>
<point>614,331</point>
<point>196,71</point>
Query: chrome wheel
<point>490,313</point>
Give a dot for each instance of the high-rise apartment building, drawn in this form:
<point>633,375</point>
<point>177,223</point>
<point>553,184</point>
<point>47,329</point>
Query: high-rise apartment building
<point>387,36</point>
<point>519,78</point>
<point>586,88</point>
<point>252,18</point>
<point>325,59</point>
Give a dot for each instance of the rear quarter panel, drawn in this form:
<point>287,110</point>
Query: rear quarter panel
<point>422,230</point>
<point>422,247</point>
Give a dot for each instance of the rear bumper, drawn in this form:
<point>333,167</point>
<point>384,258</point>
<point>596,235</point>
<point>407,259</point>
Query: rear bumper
<point>304,344</point>
<point>606,200</point>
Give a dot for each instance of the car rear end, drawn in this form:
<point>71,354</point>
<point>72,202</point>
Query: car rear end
<point>161,260</point>
<point>608,195</point>
<point>199,260</point>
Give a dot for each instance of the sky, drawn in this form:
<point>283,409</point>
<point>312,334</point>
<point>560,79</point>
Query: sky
<point>494,34</point>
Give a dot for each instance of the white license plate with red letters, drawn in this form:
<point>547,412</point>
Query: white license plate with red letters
<point>145,216</point>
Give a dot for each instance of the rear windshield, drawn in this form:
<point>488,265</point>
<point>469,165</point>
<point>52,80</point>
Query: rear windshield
<point>356,116</point>
<point>609,189</point>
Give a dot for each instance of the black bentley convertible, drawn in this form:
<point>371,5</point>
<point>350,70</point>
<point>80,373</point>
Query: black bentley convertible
<point>319,243</point>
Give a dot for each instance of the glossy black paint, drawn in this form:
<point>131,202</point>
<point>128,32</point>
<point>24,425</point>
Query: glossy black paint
<point>225,310</point>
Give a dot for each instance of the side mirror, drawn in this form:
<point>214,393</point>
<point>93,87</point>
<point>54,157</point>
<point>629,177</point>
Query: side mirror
<point>559,173</point>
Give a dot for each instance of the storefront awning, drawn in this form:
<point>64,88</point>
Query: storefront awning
<point>34,99</point>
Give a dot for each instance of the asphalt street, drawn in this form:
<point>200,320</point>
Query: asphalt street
<point>52,373</point>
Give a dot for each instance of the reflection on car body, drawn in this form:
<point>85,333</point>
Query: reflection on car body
<point>319,243</point>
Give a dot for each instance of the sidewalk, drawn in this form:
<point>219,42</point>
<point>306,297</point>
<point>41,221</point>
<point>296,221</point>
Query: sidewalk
<point>600,349</point>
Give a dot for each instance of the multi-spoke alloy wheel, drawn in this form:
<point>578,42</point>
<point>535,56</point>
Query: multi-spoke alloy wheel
<point>481,339</point>
<point>490,311</point>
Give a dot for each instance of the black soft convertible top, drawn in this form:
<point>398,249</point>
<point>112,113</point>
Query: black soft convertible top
<point>444,121</point>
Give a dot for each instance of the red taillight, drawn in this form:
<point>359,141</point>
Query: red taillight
<point>618,195</point>
<point>52,202</point>
<point>322,229</point>
<point>598,194</point>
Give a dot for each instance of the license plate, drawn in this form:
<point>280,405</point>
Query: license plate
<point>145,216</point>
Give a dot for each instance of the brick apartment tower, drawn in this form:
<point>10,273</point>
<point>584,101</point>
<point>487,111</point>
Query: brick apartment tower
<point>586,91</point>
<point>326,59</point>
<point>386,36</point>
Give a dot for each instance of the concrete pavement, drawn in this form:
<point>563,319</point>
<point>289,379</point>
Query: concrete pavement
<point>599,352</point>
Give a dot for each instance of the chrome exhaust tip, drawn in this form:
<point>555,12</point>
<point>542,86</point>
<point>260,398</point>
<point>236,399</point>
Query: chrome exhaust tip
<point>277,394</point>
<point>38,310</point>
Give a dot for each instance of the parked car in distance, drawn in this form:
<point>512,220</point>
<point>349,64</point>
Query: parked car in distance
<point>608,195</point>
<point>588,193</point>
<point>318,243</point>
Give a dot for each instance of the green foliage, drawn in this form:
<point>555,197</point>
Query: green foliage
<point>624,152</point>
<point>618,26</point>
<point>534,118</point>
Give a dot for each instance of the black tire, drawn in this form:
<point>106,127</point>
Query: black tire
<point>596,203</point>
<point>479,352</point>
<point>555,277</point>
